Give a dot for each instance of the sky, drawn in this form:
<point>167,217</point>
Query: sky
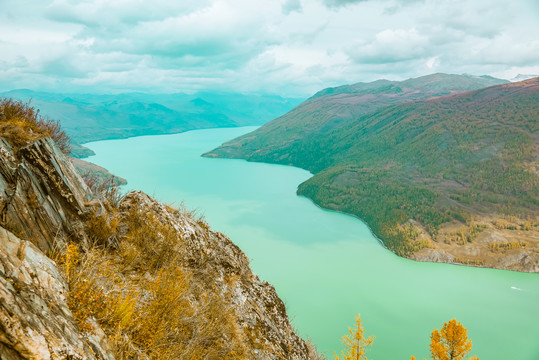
<point>283,47</point>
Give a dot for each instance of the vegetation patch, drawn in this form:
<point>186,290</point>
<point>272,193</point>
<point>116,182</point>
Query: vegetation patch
<point>137,291</point>
<point>504,246</point>
<point>21,124</point>
<point>453,160</point>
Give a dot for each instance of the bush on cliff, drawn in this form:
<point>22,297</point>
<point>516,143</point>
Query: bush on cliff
<point>21,124</point>
<point>137,291</point>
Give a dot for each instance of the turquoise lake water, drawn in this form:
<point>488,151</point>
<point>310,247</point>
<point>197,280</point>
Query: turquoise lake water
<point>326,266</point>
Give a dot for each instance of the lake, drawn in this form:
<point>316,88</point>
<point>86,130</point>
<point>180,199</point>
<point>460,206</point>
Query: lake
<point>327,266</point>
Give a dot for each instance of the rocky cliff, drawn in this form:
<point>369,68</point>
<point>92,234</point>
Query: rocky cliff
<point>219,265</point>
<point>42,197</point>
<point>35,320</point>
<point>47,208</point>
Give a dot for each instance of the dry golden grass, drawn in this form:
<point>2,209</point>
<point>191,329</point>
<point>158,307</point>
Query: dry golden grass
<point>155,244</point>
<point>313,352</point>
<point>21,124</point>
<point>146,303</point>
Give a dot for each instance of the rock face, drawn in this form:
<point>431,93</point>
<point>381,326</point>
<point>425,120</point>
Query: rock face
<point>261,313</point>
<point>41,194</point>
<point>43,206</point>
<point>35,321</point>
<point>96,173</point>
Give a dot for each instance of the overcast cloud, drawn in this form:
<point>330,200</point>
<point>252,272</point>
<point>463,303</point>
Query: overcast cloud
<point>287,47</point>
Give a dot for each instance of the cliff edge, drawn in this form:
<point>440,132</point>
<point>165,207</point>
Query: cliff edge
<point>87,275</point>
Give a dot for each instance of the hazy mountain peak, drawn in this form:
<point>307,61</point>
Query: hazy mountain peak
<point>438,82</point>
<point>521,77</point>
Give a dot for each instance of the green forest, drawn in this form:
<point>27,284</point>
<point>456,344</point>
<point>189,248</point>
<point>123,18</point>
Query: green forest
<point>423,163</point>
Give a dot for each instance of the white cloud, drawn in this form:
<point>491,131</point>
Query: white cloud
<point>340,3</point>
<point>293,47</point>
<point>390,46</point>
<point>433,63</point>
<point>290,6</point>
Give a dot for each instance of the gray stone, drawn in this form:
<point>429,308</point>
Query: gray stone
<point>36,322</point>
<point>261,313</point>
<point>41,195</point>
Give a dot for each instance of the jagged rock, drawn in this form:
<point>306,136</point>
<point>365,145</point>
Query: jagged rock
<point>41,194</point>
<point>35,321</point>
<point>261,313</point>
<point>527,259</point>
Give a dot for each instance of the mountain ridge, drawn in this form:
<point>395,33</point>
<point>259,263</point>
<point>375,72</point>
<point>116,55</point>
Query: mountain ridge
<point>91,117</point>
<point>300,128</point>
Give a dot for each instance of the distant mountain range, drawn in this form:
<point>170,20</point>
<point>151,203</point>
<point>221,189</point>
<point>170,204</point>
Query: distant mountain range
<point>430,174</point>
<point>522,77</point>
<point>88,117</point>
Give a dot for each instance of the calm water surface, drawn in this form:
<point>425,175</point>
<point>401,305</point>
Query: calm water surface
<point>326,266</point>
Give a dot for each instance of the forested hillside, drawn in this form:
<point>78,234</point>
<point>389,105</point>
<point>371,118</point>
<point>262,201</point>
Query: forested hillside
<point>290,138</point>
<point>446,174</point>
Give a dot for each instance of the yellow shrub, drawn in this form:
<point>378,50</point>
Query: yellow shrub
<point>21,124</point>
<point>143,299</point>
<point>502,247</point>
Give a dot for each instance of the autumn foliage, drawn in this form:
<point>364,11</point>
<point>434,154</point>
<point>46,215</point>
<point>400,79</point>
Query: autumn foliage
<point>450,343</point>
<point>20,124</point>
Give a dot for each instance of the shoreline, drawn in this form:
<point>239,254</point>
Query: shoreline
<point>380,241</point>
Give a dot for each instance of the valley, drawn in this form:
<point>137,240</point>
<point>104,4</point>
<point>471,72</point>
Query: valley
<point>91,117</point>
<point>269,180</point>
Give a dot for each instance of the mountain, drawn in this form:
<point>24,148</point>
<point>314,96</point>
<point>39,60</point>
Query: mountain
<point>521,77</point>
<point>89,274</point>
<point>88,117</point>
<point>289,138</point>
<point>451,178</point>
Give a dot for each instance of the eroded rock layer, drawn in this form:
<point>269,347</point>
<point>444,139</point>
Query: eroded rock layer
<point>42,197</point>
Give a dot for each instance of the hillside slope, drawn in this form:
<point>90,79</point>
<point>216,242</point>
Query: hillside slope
<point>288,139</point>
<point>450,179</point>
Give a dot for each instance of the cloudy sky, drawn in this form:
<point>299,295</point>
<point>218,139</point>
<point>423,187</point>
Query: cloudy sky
<point>287,47</point>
